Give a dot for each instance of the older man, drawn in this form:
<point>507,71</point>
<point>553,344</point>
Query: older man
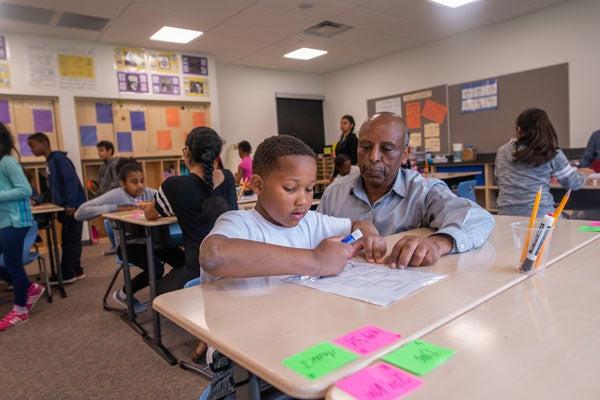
<point>397,200</point>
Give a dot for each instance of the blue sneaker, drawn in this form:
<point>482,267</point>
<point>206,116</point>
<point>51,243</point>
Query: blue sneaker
<point>121,298</point>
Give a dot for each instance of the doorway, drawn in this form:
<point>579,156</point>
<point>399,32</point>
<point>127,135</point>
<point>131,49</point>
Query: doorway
<point>302,118</point>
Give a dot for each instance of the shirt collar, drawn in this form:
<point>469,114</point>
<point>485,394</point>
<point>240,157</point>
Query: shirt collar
<point>399,187</point>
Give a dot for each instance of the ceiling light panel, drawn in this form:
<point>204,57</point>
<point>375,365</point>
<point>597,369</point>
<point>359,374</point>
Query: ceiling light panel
<point>305,53</point>
<point>175,35</point>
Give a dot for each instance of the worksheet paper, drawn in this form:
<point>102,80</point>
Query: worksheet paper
<point>372,283</point>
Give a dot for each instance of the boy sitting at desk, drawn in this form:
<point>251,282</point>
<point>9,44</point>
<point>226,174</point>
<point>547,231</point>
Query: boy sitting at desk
<point>280,236</point>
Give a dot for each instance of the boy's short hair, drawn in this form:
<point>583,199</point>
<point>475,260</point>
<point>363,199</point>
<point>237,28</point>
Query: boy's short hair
<point>125,166</point>
<point>40,138</point>
<point>266,158</point>
<point>107,145</point>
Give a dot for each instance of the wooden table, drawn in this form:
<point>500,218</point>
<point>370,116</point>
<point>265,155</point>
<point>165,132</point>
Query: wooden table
<point>586,198</point>
<point>260,321</point>
<point>537,340</point>
<point>54,254</point>
<point>137,218</point>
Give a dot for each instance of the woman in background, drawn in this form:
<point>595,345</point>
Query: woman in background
<point>348,143</point>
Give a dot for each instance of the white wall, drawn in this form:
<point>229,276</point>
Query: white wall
<point>247,102</point>
<point>565,33</point>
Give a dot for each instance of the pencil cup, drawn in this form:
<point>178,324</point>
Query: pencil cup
<point>538,241</point>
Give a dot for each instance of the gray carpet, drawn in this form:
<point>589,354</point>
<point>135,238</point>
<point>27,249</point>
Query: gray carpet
<point>73,349</point>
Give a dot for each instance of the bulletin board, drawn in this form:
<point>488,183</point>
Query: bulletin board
<point>546,88</point>
<point>27,115</point>
<point>137,128</point>
<point>425,112</point>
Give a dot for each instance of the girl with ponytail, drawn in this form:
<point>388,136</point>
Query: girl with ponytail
<point>528,161</point>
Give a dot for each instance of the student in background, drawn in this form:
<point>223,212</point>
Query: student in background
<point>348,143</point>
<point>108,178</point>
<point>343,166</point>
<point>244,172</point>
<point>529,161</point>
<point>15,221</point>
<point>133,191</point>
<point>66,191</point>
<point>280,236</point>
<point>592,151</point>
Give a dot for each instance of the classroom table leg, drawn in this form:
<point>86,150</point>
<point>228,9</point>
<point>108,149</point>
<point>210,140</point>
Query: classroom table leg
<point>130,316</point>
<point>55,255</point>
<point>247,386</point>
<point>156,341</point>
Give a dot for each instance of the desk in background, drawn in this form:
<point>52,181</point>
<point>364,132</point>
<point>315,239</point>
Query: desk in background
<point>288,318</point>
<point>51,210</point>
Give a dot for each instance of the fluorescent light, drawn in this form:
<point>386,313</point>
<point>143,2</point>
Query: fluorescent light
<point>305,53</point>
<point>453,3</point>
<point>175,35</point>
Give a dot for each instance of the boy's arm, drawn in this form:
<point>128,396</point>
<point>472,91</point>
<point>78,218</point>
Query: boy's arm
<point>70,181</point>
<point>240,258</point>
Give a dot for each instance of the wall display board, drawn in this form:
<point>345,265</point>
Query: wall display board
<point>61,66</point>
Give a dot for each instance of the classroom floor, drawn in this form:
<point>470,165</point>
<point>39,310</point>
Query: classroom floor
<point>73,349</point>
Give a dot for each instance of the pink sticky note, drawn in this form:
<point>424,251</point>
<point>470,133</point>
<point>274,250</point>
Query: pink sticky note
<point>380,381</point>
<point>594,223</point>
<point>367,339</point>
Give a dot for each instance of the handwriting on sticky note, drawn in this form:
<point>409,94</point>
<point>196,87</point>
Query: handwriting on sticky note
<point>380,381</point>
<point>419,357</point>
<point>319,360</point>
<point>367,339</point>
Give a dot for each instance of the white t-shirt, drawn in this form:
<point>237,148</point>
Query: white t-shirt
<point>354,170</point>
<point>310,231</point>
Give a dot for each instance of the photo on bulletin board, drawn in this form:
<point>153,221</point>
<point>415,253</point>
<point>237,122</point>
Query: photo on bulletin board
<point>193,65</point>
<point>164,62</point>
<point>4,76</point>
<point>130,59</point>
<point>132,82</point>
<point>195,86</point>
<point>165,84</point>
<point>3,52</point>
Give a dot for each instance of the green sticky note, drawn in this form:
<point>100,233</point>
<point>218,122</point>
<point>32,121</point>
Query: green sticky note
<point>319,360</point>
<point>586,228</point>
<point>419,357</point>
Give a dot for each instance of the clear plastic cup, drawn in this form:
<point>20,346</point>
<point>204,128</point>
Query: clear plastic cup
<point>521,233</point>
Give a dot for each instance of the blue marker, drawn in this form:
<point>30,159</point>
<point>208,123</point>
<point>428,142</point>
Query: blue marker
<point>353,237</point>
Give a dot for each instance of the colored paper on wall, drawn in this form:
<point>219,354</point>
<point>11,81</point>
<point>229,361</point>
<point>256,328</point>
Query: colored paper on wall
<point>195,86</point>
<point>432,144</point>
<point>138,120</point>
<point>431,130</point>
<point>319,360</point>
<point>173,117</point>
<point>89,135</point>
<point>3,52</point>
<point>4,112</point>
<point>380,381</point>
<point>127,58</point>
<point>367,339</point>
<point>434,111</point>
<point>413,115</point>
<point>104,113</point>
<point>132,82</point>
<point>165,84</point>
<point>24,146</point>
<point>163,61</point>
<point>78,67</point>
<point>419,357</point>
<point>163,140</point>
<point>587,228</point>
<point>4,76</point>
<point>124,142</point>
<point>193,65</point>
<point>198,119</point>
<point>415,139</point>
<point>42,120</point>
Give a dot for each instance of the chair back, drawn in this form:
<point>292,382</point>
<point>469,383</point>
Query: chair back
<point>466,190</point>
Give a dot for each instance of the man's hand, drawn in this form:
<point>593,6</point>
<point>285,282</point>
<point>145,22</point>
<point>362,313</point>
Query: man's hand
<point>375,247</point>
<point>331,256</point>
<point>419,251</point>
<point>150,212</point>
<point>70,211</point>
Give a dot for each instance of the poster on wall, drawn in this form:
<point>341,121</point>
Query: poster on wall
<point>393,105</point>
<point>479,96</point>
<point>165,84</point>
<point>4,76</point>
<point>195,86</point>
<point>132,82</point>
<point>163,62</point>
<point>42,66</point>
<point>130,59</point>
<point>193,65</point>
<point>3,51</point>
<point>77,71</point>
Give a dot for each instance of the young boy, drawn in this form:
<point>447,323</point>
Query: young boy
<point>107,178</point>
<point>66,191</point>
<point>133,191</point>
<point>281,236</point>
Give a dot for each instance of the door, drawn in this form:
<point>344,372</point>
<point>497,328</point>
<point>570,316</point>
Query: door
<point>303,119</point>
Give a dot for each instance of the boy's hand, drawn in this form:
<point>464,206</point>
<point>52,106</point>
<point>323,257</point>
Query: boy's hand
<point>150,212</point>
<point>419,251</point>
<point>70,211</point>
<point>375,248</point>
<point>331,256</point>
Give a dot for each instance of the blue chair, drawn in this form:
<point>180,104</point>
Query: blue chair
<point>466,190</point>
<point>30,256</point>
<point>193,282</point>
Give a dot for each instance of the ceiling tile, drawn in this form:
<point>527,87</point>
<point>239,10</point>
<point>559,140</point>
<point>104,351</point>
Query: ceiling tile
<point>539,4</point>
<point>220,9</point>
<point>48,31</point>
<point>103,8</point>
<point>321,9</point>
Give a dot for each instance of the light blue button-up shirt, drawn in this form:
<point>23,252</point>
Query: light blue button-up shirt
<point>413,202</point>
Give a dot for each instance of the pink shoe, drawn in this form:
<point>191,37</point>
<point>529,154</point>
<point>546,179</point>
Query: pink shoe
<point>13,318</point>
<point>34,292</point>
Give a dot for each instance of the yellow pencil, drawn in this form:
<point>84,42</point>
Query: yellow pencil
<point>534,210</point>
<point>556,215</point>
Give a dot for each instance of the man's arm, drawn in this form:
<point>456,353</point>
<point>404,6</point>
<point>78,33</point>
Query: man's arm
<point>593,146</point>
